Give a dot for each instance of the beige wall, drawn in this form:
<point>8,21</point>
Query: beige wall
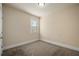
<point>61,26</point>
<point>17,27</point>
<point>0,19</point>
<point>0,28</point>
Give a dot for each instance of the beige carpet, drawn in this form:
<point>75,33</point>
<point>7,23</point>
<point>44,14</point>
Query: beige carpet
<point>40,48</point>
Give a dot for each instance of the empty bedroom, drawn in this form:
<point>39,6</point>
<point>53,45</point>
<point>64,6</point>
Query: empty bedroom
<point>40,29</point>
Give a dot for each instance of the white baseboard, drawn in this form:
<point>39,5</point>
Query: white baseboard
<point>51,42</point>
<point>20,44</point>
<point>62,45</point>
<point>0,47</point>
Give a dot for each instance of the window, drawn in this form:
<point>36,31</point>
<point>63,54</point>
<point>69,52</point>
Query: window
<point>34,25</point>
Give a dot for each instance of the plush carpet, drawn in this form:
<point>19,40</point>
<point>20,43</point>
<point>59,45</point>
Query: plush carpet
<point>40,48</point>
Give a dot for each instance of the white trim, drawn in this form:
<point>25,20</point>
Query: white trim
<point>51,42</point>
<point>0,47</point>
<point>16,45</point>
<point>62,45</point>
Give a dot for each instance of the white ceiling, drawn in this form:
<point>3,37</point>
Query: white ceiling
<point>34,9</point>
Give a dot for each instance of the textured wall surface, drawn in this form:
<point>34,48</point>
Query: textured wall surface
<point>61,26</point>
<point>17,26</point>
